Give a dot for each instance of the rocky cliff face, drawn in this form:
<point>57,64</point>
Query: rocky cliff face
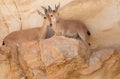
<point>60,57</point>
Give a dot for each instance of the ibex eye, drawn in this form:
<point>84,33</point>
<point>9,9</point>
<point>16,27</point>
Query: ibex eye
<point>44,17</point>
<point>53,10</point>
<point>51,15</point>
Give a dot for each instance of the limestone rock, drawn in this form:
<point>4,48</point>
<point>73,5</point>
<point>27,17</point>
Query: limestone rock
<point>4,63</point>
<point>3,56</point>
<point>59,58</point>
<point>97,59</point>
<point>37,59</point>
<point>30,60</point>
<point>4,53</point>
<point>57,49</point>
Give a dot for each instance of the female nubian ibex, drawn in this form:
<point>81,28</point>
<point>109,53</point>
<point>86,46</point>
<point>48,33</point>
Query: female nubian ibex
<point>68,28</point>
<point>19,37</point>
<point>30,34</point>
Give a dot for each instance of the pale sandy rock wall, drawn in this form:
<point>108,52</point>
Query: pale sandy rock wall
<point>4,63</point>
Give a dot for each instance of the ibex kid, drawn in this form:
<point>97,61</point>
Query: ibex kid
<point>68,28</point>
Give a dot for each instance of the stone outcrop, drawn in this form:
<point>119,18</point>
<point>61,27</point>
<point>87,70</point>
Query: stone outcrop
<point>39,58</point>
<point>4,63</point>
<point>60,58</point>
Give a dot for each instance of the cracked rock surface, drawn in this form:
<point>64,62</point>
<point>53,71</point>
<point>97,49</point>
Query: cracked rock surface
<point>51,59</point>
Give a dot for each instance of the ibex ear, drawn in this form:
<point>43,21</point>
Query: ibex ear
<point>45,10</point>
<point>49,9</point>
<point>40,13</point>
<point>57,7</point>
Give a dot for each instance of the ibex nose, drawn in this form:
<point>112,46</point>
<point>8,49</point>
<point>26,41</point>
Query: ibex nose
<point>50,24</point>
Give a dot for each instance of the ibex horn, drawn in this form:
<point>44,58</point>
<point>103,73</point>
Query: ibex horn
<point>39,12</point>
<point>56,7</point>
<point>49,9</point>
<point>45,10</point>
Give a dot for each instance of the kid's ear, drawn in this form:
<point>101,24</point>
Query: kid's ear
<point>40,13</point>
<point>45,10</point>
<point>57,7</point>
